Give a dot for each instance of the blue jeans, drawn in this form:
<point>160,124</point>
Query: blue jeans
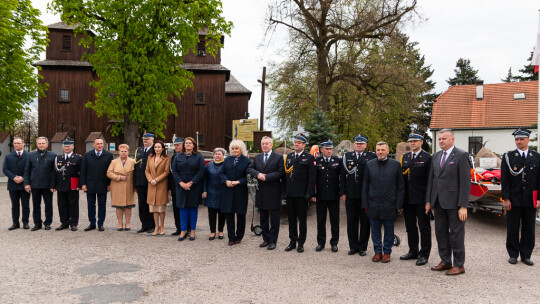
<point>101,200</point>
<point>188,214</point>
<point>376,224</point>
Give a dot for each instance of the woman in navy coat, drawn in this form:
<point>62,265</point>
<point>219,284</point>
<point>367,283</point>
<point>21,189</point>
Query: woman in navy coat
<point>188,171</point>
<point>212,193</point>
<point>235,193</point>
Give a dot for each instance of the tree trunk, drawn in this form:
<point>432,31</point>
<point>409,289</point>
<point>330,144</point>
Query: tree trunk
<point>131,134</point>
<point>322,72</point>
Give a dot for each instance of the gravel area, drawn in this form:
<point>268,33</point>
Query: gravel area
<point>121,267</point>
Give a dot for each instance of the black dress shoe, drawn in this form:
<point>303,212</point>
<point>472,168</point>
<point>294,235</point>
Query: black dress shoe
<point>25,226</point>
<point>120,229</point>
<point>352,251</point>
<point>74,228</point>
<point>220,237</point>
<point>263,244</point>
<point>62,227</point>
<point>90,227</point>
<point>140,230</point>
<point>47,227</point>
<point>177,232</point>
<point>527,261</point>
<point>35,228</point>
<point>150,230</point>
<point>14,226</point>
<point>211,238</point>
<point>409,256</point>
<point>100,228</point>
<point>334,248</point>
<point>421,261</point>
<point>271,246</point>
<point>192,238</point>
<point>512,260</point>
<point>319,247</point>
<point>127,228</point>
<point>290,247</point>
<point>300,248</point>
<point>362,253</point>
<point>182,238</point>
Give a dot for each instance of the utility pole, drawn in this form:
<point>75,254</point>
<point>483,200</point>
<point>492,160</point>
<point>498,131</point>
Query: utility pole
<point>263,86</point>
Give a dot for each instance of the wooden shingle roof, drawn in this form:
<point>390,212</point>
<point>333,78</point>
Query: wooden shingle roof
<point>234,86</point>
<point>457,108</point>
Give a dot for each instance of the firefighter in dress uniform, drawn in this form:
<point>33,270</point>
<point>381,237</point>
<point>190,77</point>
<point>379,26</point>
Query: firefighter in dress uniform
<point>520,181</point>
<point>65,181</point>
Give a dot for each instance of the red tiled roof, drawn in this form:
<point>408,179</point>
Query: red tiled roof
<point>457,108</point>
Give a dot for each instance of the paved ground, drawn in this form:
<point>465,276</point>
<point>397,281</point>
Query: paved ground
<point>112,266</point>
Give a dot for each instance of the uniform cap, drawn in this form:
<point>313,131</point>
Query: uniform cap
<point>521,133</point>
<point>416,135</point>
<point>360,139</point>
<point>327,144</point>
<point>302,137</point>
<point>67,142</point>
<point>148,135</point>
<point>178,140</point>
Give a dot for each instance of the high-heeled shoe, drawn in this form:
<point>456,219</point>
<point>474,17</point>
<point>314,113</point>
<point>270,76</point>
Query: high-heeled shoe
<point>181,238</point>
<point>162,231</point>
<point>191,238</point>
<point>155,232</point>
<point>220,237</point>
<point>212,237</point>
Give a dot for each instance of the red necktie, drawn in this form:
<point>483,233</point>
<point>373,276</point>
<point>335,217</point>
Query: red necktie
<point>19,154</point>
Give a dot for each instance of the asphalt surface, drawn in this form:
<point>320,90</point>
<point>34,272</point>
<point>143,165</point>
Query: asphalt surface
<point>124,267</point>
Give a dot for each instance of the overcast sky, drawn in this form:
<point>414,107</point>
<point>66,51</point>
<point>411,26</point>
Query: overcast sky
<point>494,34</point>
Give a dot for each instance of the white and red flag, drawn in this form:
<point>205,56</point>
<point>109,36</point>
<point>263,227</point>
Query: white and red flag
<point>536,55</point>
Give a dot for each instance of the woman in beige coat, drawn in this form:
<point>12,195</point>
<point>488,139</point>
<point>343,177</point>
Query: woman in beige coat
<point>122,193</point>
<point>157,170</point>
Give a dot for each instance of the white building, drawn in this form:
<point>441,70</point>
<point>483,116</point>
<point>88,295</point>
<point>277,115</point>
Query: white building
<point>486,114</point>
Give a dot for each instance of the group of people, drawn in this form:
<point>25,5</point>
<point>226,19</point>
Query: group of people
<point>375,188</point>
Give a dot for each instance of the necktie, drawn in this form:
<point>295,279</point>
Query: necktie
<point>19,154</point>
<point>98,154</point>
<point>414,156</point>
<point>66,156</point>
<point>443,159</point>
<point>523,156</point>
<point>357,155</point>
<point>265,157</point>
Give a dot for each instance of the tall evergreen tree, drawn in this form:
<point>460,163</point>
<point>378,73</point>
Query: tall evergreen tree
<point>509,77</point>
<point>527,71</point>
<point>465,74</point>
<point>319,128</point>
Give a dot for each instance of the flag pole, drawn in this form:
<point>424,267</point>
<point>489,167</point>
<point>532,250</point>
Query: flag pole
<point>536,62</point>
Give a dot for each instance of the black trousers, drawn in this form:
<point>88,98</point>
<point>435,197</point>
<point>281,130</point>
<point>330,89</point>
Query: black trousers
<point>333,210</point>
<point>270,224</point>
<point>176,211</point>
<point>47,195</point>
<point>146,218</point>
<point>357,217</point>
<point>526,216</point>
<point>297,213</point>
<point>450,233</point>
<point>68,207</point>
<point>238,234</point>
<point>214,214</point>
<point>412,215</point>
<point>23,197</point>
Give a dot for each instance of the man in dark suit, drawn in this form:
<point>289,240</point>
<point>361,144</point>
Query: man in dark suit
<point>382,196</point>
<point>299,188</point>
<point>141,183</point>
<point>353,177</point>
<point>37,179</point>
<point>448,190</point>
<point>267,167</point>
<point>66,182</point>
<point>415,166</point>
<point>327,194</point>
<point>178,142</point>
<point>13,168</point>
<point>95,182</point>
<point>520,182</point>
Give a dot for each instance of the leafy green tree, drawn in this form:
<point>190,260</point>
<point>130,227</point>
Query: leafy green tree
<point>19,24</point>
<point>319,128</point>
<point>465,73</point>
<point>138,54</point>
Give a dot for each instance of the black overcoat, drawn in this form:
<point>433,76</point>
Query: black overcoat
<point>383,190</point>
<point>235,199</point>
<point>39,169</point>
<point>94,171</point>
<point>329,183</point>
<point>269,193</point>
<point>139,174</point>
<point>65,170</point>
<point>186,169</point>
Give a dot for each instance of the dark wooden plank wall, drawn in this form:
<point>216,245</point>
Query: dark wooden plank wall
<point>54,50</point>
<point>236,105</point>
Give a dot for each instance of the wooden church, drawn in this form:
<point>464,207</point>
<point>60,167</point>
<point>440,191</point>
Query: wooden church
<point>205,112</point>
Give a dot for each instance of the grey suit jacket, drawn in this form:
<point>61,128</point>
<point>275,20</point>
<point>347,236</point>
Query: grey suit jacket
<point>451,184</point>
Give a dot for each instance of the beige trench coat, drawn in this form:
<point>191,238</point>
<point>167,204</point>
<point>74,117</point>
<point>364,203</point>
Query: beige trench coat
<point>122,192</point>
<point>157,194</point>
